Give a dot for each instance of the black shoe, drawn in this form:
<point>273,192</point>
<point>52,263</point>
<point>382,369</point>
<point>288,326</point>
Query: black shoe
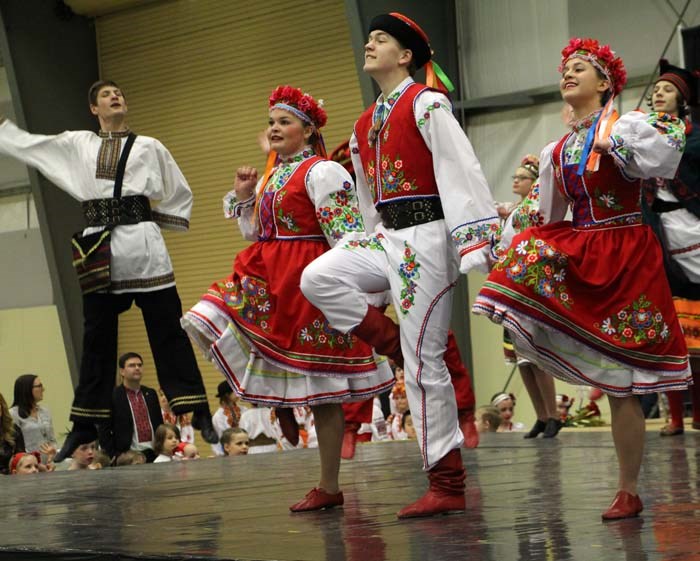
<point>81,433</point>
<point>201,421</point>
<point>536,429</point>
<point>552,429</point>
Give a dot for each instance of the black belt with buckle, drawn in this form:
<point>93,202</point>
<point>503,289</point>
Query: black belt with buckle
<point>661,206</point>
<point>404,214</point>
<point>117,211</point>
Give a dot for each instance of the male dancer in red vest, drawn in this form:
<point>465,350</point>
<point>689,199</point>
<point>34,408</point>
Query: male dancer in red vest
<point>426,203</point>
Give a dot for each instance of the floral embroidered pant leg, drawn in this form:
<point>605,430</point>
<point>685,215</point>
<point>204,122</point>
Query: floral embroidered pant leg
<point>419,266</point>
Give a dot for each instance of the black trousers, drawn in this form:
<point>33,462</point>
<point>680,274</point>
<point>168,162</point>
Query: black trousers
<point>176,366</point>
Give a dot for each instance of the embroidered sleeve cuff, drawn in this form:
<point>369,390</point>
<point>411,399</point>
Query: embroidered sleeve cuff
<point>170,222</point>
<point>473,236</point>
<point>233,208</point>
<point>618,150</point>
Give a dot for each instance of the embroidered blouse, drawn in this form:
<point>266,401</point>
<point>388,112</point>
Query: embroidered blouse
<point>643,145</point>
<point>329,187</point>
<point>82,164</point>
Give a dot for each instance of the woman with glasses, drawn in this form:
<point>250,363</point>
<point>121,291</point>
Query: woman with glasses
<point>539,387</point>
<point>33,420</point>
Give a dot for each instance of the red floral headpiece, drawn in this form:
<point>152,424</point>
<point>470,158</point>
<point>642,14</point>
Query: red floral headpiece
<point>532,164</point>
<point>600,56</point>
<point>399,390</point>
<point>300,104</point>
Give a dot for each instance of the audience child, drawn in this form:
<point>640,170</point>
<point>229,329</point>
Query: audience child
<point>130,458</point>
<point>227,415</point>
<point>24,463</point>
<point>186,451</point>
<point>100,460</point>
<point>407,425</point>
<point>505,403</point>
<point>83,456</point>
<point>165,442</point>
<point>235,442</point>
<point>398,395</point>
<point>488,419</point>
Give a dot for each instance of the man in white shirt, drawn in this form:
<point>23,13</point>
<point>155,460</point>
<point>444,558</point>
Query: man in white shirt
<point>155,195</point>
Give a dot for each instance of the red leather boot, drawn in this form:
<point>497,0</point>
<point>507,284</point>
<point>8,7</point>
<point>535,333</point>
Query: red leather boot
<point>380,331</point>
<point>624,505</point>
<point>464,392</point>
<point>445,491</point>
<point>347,452</point>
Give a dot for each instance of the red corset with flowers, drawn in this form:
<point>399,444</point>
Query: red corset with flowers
<point>601,199</point>
<point>397,163</point>
<point>285,210</point>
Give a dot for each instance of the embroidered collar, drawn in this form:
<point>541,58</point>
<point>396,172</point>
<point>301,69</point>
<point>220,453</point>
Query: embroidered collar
<point>306,153</point>
<point>114,134</point>
<point>586,122</point>
<point>396,94</point>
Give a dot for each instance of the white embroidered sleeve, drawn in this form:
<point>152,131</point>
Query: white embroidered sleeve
<point>647,145</point>
<point>173,211</point>
<point>332,191</point>
<point>364,194</point>
<point>470,212</point>
<point>553,205</point>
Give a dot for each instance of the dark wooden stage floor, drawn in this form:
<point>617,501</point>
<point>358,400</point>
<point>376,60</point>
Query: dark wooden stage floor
<point>528,500</point>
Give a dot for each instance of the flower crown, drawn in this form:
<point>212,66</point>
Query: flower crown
<point>532,164</point>
<point>300,104</point>
<point>600,56</point>
<point>399,390</point>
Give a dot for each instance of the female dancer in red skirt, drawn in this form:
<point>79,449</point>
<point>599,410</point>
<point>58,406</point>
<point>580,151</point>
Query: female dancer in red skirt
<point>257,327</point>
<point>583,299</point>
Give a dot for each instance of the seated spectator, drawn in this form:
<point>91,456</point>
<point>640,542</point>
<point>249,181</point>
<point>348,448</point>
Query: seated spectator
<point>505,403</point>
<point>226,416</point>
<point>564,403</point>
<point>101,460</point>
<point>487,419</point>
<point>263,429</point>
<point>186,451</point>
<point>130,458</point>
<point>24,463</point>
<point>407,425</point>
<point>83,456</point>
<point>398,396</point>
<point>165,442</point>
<point>33,419</point>
<point>11,441</point>
<point>185,430</point>
<point>235,442</point>
<point>135,412</point>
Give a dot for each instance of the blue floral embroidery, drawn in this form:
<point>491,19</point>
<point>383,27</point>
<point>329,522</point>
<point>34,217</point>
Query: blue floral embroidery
<point>639,321</point>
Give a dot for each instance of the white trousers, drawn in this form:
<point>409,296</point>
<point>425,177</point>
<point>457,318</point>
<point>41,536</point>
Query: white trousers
<point>420,267</point>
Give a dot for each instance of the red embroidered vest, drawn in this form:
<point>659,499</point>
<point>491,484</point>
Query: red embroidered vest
<point>285,210</point>
<point>600,199</point>
<point>398,165</point>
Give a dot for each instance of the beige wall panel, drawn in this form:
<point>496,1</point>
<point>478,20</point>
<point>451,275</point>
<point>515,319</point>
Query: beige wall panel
<point>197,76</point>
